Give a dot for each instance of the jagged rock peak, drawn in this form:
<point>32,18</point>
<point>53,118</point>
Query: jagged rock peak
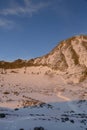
<point>66,54</point>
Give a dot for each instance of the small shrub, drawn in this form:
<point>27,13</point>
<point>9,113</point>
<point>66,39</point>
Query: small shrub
<point>16,93</point>
<point>16,109</point>
<point>21,129</point>
<point>72,121</point>
<point>14,71</point>
<point>65,119</point>
<point>6,92</point>
<point>2,115</point>
<point>39,128</point>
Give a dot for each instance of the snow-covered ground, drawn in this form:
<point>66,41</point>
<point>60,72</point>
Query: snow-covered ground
<point>40,97</point>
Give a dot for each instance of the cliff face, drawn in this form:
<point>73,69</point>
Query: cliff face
<point>69,57</point>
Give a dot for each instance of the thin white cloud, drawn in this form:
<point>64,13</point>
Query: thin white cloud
<point>27,9</point>
<point>4,23</point>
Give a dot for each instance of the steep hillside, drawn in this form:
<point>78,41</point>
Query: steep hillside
<point>69,57</point>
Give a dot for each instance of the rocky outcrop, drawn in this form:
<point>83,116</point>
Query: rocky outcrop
<point>69,57</point>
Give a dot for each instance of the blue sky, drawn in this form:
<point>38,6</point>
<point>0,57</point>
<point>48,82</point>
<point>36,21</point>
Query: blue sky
<point>31,28</point>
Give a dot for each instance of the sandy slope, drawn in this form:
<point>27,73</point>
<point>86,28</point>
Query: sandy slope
<point>37,84</point>
<point>41,85</point>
